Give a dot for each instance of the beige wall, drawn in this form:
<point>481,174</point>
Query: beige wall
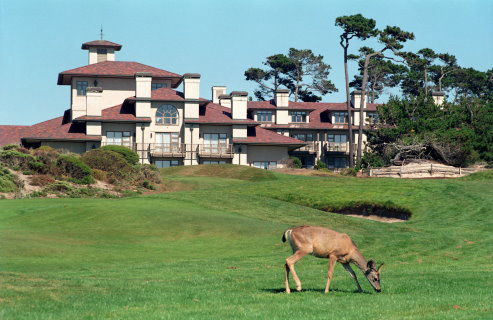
<point>75,147</point>
<point>93,128</point>
<point>267,153</point>
<point>282,117</point>
<point>93,56</point>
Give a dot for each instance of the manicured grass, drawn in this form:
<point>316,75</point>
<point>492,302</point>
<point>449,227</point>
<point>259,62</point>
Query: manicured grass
<point>214,250</point>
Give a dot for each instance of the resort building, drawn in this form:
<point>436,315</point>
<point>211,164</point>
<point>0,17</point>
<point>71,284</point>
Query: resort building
<point>131,104</point>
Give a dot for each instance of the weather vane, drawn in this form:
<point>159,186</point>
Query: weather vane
<point>101,32</point>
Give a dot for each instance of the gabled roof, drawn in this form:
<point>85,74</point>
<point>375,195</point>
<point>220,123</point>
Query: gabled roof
<point>117,69</point>
<point>260,136</point>
<point>124,112</point>
<point>212,113</point>
<point>59,129</point>
<point>12,134</point>
<point>101,43</point>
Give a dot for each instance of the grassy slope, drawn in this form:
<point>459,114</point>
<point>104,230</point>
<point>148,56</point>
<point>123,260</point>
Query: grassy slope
<point>215,252</point>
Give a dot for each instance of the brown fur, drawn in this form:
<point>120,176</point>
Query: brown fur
<point>325,243</point>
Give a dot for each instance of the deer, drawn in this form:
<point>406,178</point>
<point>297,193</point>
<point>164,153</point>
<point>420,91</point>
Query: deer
<point>326,243</point>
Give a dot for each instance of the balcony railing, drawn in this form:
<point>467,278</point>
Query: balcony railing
<point>163,150</point>
<point>215,150</point>
<point>127,144</point>
<point>338,147</point>
<point>311,147</point>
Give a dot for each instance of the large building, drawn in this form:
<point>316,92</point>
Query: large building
<point>131,104</point>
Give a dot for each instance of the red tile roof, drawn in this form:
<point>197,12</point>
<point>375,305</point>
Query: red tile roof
<point>12,134</point>
<point>59,129</point>
<point>122,69</point>
<point>212,113</point>
<point>124,112</point>
<point>101,43</point>
<point>258,135</point>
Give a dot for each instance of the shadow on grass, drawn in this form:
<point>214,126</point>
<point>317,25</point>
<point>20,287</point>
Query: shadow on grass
<point>283,290</point>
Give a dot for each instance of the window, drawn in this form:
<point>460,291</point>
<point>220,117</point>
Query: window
<point>337,138</point>
<point>265,164</point>
<point>340,117</point>
<point>213,162</point>
<point>264,116</point>
<point>102,54</point>
<point>304,136</point>
<point>298,116</point>
<point>166,114</point>
<point>167,142</point>
<point>120,138</point>
<point>372,117</point>
<point>215,143</point>
<point>81,88</point>
<point>155,86</point>
<point>336,163</point>
<point>166,163</point>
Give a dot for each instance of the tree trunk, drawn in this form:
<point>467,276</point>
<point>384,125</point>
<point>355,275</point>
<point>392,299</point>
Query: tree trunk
<point>348,105</point>
<point>426,81</point>
<point>362,103</point>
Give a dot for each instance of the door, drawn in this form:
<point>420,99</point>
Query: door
<point>167,142</point>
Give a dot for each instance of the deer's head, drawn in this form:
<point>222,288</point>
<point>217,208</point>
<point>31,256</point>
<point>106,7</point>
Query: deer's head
<point>373,274</point>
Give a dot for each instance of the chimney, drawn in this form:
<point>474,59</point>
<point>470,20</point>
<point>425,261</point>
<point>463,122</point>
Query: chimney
<point>93,101</point>
<point>143,94</point>
<point>438,97</point>
<point>225,100</point>
<point>281,98</point>
<point>191,86</point>
<point>216,92</point>
<point>239,105</point>
<point>356,99</point>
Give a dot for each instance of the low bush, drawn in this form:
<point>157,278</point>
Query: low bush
<point>149,172</point>
<point>73,167</point>
<point>16,160</point>
<point>58,187</point>
<point>130,156</point>
<point>10,147</point>
<point>41,180</point>
<point>8,182</point>
<point>114,164</point>
<point>348,172</point>
<point>296,162</point>
<point>99,175</point>
<point>320,165</point>
<point>370,160</point>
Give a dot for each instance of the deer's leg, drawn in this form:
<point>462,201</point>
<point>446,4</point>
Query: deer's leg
<point>286,277</point>
<point>290,265</point>
<point>348,268</point>
<point>332,263</point>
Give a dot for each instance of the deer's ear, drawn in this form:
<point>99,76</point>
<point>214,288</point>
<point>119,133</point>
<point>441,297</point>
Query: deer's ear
<point>371,264</point>
<point>380,267</point>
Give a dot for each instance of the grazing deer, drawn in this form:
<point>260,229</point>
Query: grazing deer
<point>325,243</point>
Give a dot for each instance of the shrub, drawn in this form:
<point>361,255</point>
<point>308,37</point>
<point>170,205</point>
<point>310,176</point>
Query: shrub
<point>370,160</point>
<point>8,182</point>
<point>320,165</point>
<point>349,172</point>
<point>73,167</point>
<point>114,164</point>
<point>130,156</point>
<point>296,162</point>
<point>149,172</point>
<point>10,147</point>
<point>41,180</point>
<point>45,148</point>
<point>146,184</point>
<point>15,159</point>
<point>58,187</point>
<point>99,175</point>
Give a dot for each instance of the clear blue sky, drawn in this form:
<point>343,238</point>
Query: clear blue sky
<point>218,39</point>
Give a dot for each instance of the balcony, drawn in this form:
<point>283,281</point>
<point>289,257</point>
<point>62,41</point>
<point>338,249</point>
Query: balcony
<point>311,147</point>
<point>338,147</point>
<point>167,150</point>
<point>215,150</point>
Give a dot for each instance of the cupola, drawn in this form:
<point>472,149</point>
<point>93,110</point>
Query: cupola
<point>101,50</point>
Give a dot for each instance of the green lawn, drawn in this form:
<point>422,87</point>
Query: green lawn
<point>214,250</point>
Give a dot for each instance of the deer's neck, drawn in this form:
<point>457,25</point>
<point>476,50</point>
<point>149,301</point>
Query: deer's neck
<point>358,259</point>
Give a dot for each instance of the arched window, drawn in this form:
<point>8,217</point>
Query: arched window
<point>166,114</point>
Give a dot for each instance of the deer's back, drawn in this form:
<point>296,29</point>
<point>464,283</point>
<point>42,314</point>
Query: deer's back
<point>321,242</point>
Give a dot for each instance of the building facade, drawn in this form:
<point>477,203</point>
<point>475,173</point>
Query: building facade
<point>138,106</point>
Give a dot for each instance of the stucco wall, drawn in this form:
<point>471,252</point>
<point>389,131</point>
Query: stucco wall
<point>267,153</point>
<point>75,147</point>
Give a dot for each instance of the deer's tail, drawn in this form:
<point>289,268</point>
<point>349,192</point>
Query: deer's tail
<point>286,235</point>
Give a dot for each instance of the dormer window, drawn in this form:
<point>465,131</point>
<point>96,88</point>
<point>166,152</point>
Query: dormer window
<point>298,116</point>
<point>340,117</point>
<point>81,88</point>
<point>166,115</point>
<point>264,116</point>
<point>155,86</point>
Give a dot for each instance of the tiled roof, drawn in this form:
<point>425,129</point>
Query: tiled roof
<point>101,43</point>
<point>12,134</point>
<point>124,112</point>
<point>123,69</point>
<point>59,129</point>
<point>258,135</point>
<point>167,94</point>
<point>212,113</point>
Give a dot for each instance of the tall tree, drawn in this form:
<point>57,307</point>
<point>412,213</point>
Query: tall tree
<point>362,28</point>
<point>301,71</point>
<point>439,72</point>
<point>392,39</point>
<point>427,56</point>
<point>308,66</point>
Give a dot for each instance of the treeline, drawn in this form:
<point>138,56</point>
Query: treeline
<point>411,126</point>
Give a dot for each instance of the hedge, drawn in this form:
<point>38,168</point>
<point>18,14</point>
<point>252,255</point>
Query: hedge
<point>130,156</point>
